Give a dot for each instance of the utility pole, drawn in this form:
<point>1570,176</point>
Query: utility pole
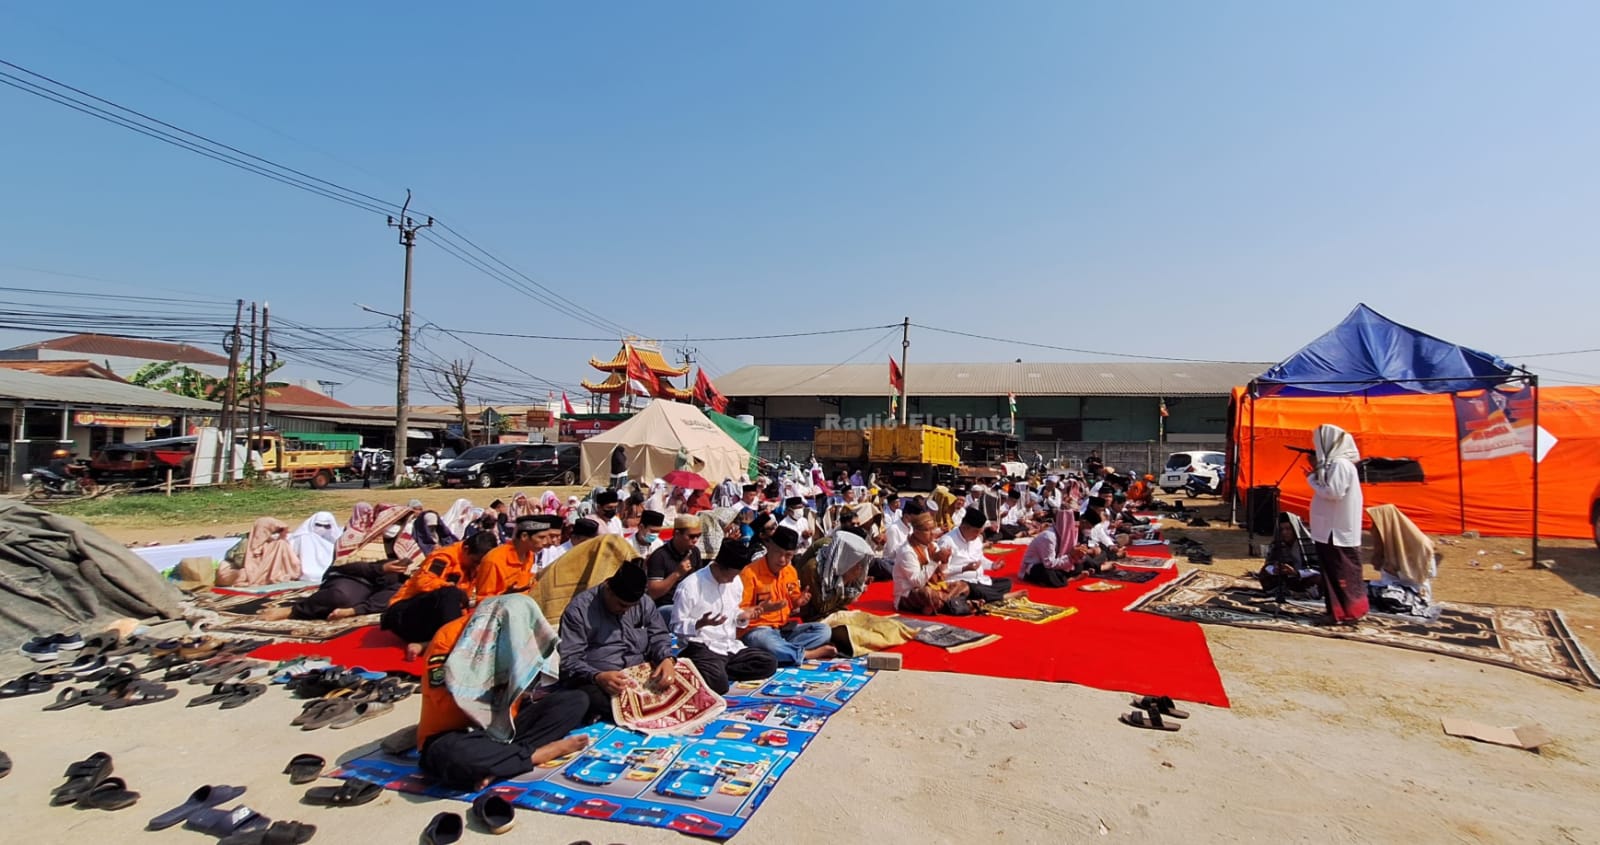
<point>230,401</point>
<point>266,366</point>
<point>905,375</point>
<point>249,399</point>
<point>402,394</point>
<point>688,353</point>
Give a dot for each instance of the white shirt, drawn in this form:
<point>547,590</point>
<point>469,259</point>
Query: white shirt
<point>549,556</point>
<point>894,536</point>
<point>1101,535</point>
<point>1011,514</point>
<point>909,573</point>
<point>1336,506</point>
<point>611,526</point>
<point>799,525</point>
<point>964,552</point>
<point>699,594</point>
<point>1042,551</point>
<point>958,516</point>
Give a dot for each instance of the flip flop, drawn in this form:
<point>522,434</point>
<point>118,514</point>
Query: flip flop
<point>219,822</point>
<point>494,812</point>
<point>1162,703</point>
<point>183,671</point>
<point>29,684</point>
<point>141,692</point>
<point>109,794</point>
<point>352,793</point>
<point>5,764</point>
<point>1149,719</point>
<point>304,768</point>
<point>360,713</point>
<point>242,694</point>
<point>280,833</point>
<point>71,697</point>
<point>166,661</point>
<point>444,829</point>
<point>327,715</point>
<point>81,777</point>
<point>85,664</point>
<point>205,796</point>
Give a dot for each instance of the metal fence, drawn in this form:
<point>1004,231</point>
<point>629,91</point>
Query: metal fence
<point>1135,456</point>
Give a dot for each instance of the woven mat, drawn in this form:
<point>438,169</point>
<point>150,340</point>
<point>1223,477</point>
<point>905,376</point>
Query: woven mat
<point>1529,639</point>
<point>235,614</point>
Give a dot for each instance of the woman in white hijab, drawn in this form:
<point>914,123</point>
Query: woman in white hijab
<point>459,515</point>
<point>1336,523</point>
<point>314,543</point>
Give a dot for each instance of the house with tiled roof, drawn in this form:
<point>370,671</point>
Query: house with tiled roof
<point>121,355</point>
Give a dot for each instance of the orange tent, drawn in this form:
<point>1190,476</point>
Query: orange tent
<point>1490,492</point>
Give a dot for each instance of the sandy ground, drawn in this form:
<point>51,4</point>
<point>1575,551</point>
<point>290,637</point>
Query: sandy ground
<point>1327,741</point>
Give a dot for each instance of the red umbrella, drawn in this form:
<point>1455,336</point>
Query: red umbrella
<point>686,479</point>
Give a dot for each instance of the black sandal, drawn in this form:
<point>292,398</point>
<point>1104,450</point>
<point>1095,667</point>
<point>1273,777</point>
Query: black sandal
<point>81,776</point>
<point>109,794</point>
<point>304,768</point>
<point>1162,703</point>
<point>353,793</point>
<point>1148,719</point>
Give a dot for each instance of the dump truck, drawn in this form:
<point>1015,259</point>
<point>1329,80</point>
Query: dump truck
<point>839,449</point>
<point>915,457</point>
<point>300,461</point>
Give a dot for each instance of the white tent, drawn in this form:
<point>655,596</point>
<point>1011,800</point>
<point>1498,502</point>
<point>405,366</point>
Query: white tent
<point>651,439</point>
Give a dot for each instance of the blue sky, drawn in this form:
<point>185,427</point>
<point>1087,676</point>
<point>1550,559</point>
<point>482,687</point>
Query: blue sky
<point>1205,180</point>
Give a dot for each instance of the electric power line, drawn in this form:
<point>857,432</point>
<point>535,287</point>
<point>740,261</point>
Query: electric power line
<point>1077,350</point>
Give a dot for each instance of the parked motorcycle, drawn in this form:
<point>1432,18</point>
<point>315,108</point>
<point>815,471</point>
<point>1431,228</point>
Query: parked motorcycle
<point>1199,485</point>
<point>42,484</point>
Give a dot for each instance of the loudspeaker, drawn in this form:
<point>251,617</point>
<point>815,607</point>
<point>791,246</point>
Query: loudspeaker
<point>1261,510</point>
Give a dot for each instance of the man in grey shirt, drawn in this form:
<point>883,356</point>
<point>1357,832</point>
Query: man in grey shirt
<point>609,628</point>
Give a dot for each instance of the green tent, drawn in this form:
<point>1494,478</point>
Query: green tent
<point>743,433</point>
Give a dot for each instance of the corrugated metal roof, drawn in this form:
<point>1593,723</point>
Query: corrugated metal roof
<point>990,379</point>
<point>16,384</point>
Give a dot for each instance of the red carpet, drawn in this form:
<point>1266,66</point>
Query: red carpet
<point>1100,646</point>
<point>370,648</point>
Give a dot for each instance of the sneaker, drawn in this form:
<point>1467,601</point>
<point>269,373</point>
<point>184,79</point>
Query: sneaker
<point>46,649</point>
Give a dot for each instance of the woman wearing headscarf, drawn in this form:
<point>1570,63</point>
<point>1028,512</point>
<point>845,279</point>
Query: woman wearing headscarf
<point>430,532</point>
<point>550,503</point>
<point>351,589</point>
<point>362,518</point>
<point>521,505</point>
<point>476,727</point>
<point>313,543</point>
<point>943,505</point>
<point>267,558</point>
<point>1336,502</point>
<point>457,517</point>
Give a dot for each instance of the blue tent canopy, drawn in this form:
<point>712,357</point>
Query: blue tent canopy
<point>1370,354</point>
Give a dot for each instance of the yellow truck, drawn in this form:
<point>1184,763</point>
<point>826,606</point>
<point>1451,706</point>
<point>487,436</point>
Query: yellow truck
<point>317,467</point>
<point>914,457</point>
<point>839,449</point>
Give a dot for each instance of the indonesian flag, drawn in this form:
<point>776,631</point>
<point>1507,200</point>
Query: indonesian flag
<point>644,382</point>
<point>1163,407</point>
<point>897,379</point>
<point>1012,399</point>
<point>707,394</point>
<point>566,405</point>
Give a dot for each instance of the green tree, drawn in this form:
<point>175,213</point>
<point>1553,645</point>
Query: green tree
<point>183,380</point>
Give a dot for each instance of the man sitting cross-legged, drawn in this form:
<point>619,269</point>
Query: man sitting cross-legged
<point>709,617</point>
<point>771,595</point>
<point>477,727</point>
<point>609,628</point>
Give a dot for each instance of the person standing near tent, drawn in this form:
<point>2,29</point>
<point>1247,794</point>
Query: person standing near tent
<point>1336,522</point>
<point>619,468</point>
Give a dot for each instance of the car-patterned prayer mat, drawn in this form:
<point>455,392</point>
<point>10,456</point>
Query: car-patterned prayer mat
<point>707,784</point>
<point>1529,639</point>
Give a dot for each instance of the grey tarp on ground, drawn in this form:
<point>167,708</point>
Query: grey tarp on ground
<point>58,574</point>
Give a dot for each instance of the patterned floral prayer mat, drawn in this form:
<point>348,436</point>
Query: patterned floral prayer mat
<point>1529,639</point>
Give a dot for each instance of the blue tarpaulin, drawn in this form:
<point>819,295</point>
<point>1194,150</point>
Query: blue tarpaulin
<point>1370,354</point>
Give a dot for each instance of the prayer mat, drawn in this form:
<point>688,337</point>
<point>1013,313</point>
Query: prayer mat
<point>680,706</point>
<point>946,636</point>
<point>236,614</point>
<point>1028,611</point>
<point>1528,639</point>
<point>1128,576</point>
<point>1099,587</point>
<point>1092,649</point>
<point>706,785</point>
<point>367,647</point>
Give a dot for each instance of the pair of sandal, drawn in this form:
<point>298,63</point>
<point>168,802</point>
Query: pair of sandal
<point>1150,714</point>
<point>492,811</point>
<point>231,670</point>
<point>339,713</point>
<point>230,696</point>
<point>89,785</point>
<point>244,826</point>
<point>351,793</point>
<point>115,691</point>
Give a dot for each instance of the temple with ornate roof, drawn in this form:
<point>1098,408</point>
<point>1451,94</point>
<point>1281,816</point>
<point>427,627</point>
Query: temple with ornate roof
<point>615,385</point>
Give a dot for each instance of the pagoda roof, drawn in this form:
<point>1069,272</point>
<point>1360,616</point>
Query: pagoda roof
<point>651,358</point>
<point>616,383</point>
